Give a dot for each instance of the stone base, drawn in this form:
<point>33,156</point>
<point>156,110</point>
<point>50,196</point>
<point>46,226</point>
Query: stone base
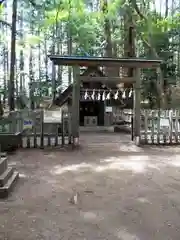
<point>75,143</point>
<point>8,178</point>
<point>137,140</point>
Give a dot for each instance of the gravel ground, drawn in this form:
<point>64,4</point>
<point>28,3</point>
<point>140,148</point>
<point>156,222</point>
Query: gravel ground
<point>123,192</point>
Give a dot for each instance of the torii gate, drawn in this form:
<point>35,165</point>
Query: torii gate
<point>78,61</point>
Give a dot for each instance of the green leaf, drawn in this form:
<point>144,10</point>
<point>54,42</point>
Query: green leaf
<point>33,40</point>
<point>52,16</point>
<point>1,8</point>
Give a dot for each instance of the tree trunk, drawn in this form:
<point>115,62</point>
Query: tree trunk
<point>153,51</point>
<point>115,52</point>
<point>31,70</point>
<point>13,57</point>
<point>21,67</point>
<point>5,58</point>
<point>5,75</point>
<point>39,65</point>
<point>59,51</point>
<point>46,58</point>
<point>53,66</point>
<point>166,8</point>
<point>129,41</point>
<point>31,78</point>
<point>69,43</point>
<point>107,34</point>
<point>107,30</point>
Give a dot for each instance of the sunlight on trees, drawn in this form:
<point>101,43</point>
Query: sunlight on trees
<point>95,28</point>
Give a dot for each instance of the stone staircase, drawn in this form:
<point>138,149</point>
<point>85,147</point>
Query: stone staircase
<point>8,177</point>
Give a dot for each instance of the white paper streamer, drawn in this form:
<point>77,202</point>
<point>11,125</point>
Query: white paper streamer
<point>86,95</point>
<point>116,95</point>
<point>93,95</point>
<point>103,96</point>
<point>130,93</point>
<point>99,96</point>
<point>124,94</point>
<point>108,96</point>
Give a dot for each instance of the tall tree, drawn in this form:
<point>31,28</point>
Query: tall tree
<point>13,57</point>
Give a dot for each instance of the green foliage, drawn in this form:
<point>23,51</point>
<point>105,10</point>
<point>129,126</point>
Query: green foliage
<point>163,36</point>
<point>1,9</point>
<point>32,40</point>
<point>54,21</point>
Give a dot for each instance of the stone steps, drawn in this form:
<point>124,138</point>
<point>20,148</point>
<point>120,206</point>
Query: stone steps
<point>3,165</point>
<point>8,178</point>
<point>7,188</point>
<point>3,154</point>
<point>5,176</point>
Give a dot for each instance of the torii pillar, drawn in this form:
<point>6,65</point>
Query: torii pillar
<point>75,106</point>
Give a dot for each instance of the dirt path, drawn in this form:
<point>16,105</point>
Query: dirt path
<point>125,193</point>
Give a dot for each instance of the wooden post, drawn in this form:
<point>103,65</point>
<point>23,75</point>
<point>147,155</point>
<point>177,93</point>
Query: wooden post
<point>31,96</point>
<point>160,88</point>
<point>42,129</point>
<point>75,107</point>
<point>132,129</point>
<point>53,83</point>
<point>69,127</point>
<point>105,115</point>
<point>62,128</point>
<point>137,106</point>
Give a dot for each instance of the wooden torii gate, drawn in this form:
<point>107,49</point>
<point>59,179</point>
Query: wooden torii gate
<point>79,61</point>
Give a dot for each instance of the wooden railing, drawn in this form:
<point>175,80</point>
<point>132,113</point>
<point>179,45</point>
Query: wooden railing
<point>34,131</point>
<point>157,126</point>
<point>160,127</point>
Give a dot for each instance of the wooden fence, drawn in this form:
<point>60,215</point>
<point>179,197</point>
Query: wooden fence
<point>35,132</point>
<point>157,126</point>
<point>160,127</point>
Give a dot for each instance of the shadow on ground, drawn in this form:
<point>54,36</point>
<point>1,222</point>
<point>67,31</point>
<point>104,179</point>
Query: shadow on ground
<point>124,192</point>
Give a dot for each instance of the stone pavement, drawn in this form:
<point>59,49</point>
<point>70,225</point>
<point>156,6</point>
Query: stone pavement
<point>124,192</point>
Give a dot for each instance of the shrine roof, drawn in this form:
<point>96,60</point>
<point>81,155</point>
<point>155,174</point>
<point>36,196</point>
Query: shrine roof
<point>107,62</point>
